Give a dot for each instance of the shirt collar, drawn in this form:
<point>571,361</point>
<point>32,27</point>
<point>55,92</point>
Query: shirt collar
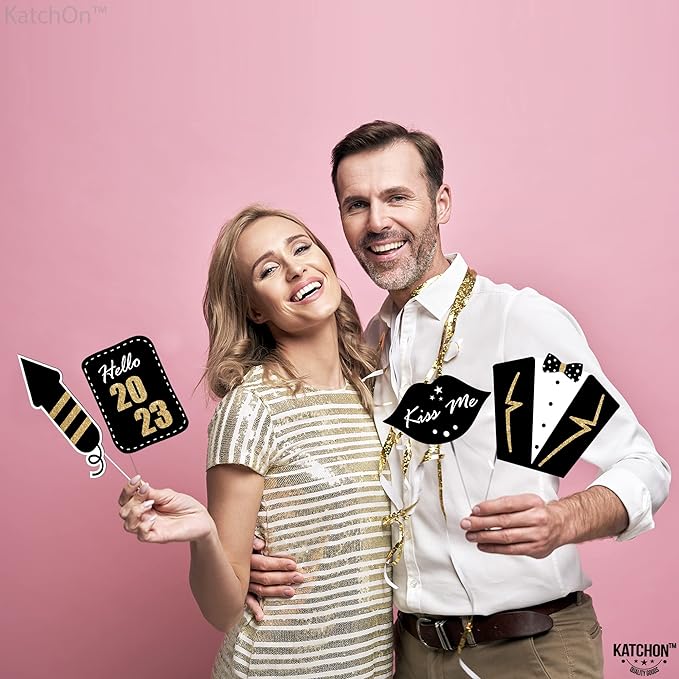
<point>437,296</point>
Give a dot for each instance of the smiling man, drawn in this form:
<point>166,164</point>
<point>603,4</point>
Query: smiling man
<point>484,557</point>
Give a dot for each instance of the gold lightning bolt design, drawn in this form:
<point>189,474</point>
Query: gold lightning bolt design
<point>513,405</point>
<point>585,428</point>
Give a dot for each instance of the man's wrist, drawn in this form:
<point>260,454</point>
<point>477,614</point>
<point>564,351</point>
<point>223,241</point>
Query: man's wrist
<point>562,522</point>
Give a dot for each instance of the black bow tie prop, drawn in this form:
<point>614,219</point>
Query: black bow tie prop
<point>438,412</point>
<point>571,370</point>
<point>578,425</point>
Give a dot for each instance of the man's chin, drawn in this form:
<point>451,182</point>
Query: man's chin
<point>389,280</point>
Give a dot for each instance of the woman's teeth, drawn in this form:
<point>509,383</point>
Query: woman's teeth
<point>379,249</point>
<point>306,290</point>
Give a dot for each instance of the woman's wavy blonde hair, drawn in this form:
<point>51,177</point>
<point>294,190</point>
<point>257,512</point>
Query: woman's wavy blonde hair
<point>237,343</point>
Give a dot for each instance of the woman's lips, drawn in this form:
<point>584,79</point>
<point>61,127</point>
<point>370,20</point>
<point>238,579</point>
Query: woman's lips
<point>305,288</point>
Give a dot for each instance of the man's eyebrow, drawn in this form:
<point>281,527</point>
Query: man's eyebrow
<point>351,199</point>
<point>385,192</point>
<point>270,253</point>
<point>396,189</point>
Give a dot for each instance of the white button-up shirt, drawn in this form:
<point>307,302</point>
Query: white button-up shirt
<point>440,572</point>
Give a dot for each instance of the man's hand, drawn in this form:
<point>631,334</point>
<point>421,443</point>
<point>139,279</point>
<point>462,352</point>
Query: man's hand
<point>516,524</point>
<point>270,576</point>
<point>527,525</point>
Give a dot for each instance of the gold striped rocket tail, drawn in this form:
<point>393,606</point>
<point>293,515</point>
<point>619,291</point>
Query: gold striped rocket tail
<point>47,392</point>
<point>80,430</point>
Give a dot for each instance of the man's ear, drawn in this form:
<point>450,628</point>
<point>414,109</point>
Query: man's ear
<point>444,204</point>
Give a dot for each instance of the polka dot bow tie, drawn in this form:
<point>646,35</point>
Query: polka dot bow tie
<point>571,370</point>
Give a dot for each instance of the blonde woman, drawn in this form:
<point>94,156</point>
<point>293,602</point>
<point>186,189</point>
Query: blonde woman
<point>292,456</point>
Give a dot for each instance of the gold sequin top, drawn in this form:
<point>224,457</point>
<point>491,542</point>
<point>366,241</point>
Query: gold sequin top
<point>323,504</point>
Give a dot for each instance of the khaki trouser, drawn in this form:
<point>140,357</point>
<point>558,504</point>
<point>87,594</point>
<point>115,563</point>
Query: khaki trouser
<point>570,650</point>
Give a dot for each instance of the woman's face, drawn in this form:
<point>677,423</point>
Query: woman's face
<point>291,284</point>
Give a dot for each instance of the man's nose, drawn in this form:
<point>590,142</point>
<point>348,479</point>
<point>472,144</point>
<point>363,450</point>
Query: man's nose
<point>377,218</point>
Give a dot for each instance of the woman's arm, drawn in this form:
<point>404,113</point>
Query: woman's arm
<point>221,544</point>
<point>220,562</point>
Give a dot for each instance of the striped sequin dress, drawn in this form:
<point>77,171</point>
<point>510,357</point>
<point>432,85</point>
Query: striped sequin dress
<point>323,504</point>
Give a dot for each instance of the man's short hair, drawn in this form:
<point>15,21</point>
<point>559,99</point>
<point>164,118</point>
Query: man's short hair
<point>378,135</point>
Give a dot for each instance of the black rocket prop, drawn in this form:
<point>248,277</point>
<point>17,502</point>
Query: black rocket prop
<point>438,412</point>
<point>134,394</point>
<point>517,417</point>
<point>47,392</point>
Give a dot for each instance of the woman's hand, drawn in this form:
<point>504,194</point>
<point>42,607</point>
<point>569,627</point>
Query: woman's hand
<point>163,515</point>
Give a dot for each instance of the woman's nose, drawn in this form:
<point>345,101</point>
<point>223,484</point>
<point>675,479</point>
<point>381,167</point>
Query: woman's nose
<point>295,270</point>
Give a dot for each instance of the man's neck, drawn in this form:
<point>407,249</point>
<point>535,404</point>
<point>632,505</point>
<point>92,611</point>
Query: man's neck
<point>438,266</point>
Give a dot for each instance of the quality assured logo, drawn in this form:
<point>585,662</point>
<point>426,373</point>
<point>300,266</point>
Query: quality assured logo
<point>644,660</point>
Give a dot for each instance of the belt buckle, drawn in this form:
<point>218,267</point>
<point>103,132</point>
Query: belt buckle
<point>440,632</point>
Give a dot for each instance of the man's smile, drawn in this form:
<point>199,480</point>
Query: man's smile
<point>381,248</point>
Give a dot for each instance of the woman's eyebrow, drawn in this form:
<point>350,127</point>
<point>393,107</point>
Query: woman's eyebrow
<point>270,253</point>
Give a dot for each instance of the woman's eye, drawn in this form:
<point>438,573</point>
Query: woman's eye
<point>266,271</point>
<point>301,248</point>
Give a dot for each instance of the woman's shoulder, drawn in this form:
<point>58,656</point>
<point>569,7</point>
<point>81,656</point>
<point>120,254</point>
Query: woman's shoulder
<point>251,385</point>
<point>241,430</point>
<point>257,387</point>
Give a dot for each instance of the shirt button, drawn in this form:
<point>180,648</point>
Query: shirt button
<point>414,584</point>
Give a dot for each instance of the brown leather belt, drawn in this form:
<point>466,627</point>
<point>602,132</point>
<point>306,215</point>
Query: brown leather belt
<point>446,633</point>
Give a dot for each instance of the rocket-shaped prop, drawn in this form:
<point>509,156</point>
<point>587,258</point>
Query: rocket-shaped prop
<point>47,392</point>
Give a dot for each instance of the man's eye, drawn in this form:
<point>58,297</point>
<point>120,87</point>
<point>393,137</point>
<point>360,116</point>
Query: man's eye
<point>398,198</point>
<point>357,205</point>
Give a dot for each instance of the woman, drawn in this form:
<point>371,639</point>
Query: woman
<point>292,456</point>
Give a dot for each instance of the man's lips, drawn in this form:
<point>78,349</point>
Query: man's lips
<point>385,250</point>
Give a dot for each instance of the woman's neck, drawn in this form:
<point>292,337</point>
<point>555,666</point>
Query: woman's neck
<point>315,356</point>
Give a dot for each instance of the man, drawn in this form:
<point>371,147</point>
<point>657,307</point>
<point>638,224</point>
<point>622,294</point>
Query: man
<point>465,525</point>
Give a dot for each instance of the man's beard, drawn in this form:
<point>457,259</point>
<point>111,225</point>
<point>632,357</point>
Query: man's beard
<point>400,274</point>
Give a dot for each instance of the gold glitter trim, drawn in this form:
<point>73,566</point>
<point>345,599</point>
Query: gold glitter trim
<point>399,518</point>
<point>407,457</point>
<point>392,439</point>
<point>585,428</point>
<point>459,303</point>
<point>429,454</point>
<point>461,298</point>
<point>467,633</point>
<point>513,405</point>
<point>439,469</point>
<point>424,285</point>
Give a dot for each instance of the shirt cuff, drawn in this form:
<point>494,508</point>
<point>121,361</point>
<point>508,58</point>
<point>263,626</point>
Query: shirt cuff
<point>634,496</point>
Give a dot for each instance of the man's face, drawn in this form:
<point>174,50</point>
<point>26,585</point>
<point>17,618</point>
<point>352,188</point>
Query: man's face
<point>390,220</point>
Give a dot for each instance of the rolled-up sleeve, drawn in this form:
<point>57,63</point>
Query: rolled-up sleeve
<point>631,466</point>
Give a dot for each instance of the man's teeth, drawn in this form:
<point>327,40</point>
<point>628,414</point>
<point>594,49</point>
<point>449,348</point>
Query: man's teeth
<point>306,290</point>
<point>388,247</point>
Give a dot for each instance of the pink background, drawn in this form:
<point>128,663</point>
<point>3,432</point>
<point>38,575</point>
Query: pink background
<point>128,139</point>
